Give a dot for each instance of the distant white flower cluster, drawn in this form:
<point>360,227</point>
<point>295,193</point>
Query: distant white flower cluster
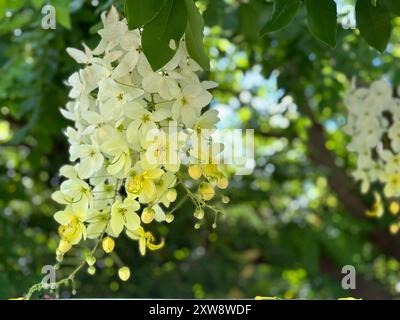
<point>132,128</point>
<point>347,16</point>
<point>374,126</point>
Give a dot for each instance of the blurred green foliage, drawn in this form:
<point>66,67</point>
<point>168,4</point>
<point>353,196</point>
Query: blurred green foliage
<point>288,228</point>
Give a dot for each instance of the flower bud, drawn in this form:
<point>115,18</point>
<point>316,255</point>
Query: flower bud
<point>195,171</point>
<point>171,195</point>
<point>91,270</point>
<point>64,246</point>
<point>90,260</point>
<point>148,215</point>
<point>124,273</point>
<point>206,190</point>
<point>222,183</point>
<point>199,213</point>
<point>169,217</point>
<point>394,228</point>
<point>394,208</point>
<point>108,244</point>
<point>225,199</point>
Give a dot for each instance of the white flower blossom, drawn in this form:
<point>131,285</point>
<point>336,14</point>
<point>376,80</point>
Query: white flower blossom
<point>374,126</point>
<point>126,114</point>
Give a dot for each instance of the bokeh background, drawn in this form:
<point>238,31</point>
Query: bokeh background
<point>288,228</point>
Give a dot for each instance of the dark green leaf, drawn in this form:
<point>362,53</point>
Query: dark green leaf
<point>194,36</point>
<point>139,12</point>
<point>394,6</point>
<point>169,24</point>
<point>214,13</point>
<point>374,23</point>
<point>310,252</point>
<point>248,22</point>
<point>282,14</point>
<point>322,20</point>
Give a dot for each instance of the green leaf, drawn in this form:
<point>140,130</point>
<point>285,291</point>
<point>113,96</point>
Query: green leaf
<point>194,36</point>
<point>62,12</point>
<point>169,24</point>
<point>139,12</point>
<point>282,14</point>
<point>322,20</point>
<point>248,22</point>
<point>310,252</point>
<point>214,14</point>
<point>394,6</point>
<point>374,23</point>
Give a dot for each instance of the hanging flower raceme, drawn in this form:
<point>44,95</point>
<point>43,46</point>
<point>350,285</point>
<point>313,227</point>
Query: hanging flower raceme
<point>374,126</point>
<point>133,129</point>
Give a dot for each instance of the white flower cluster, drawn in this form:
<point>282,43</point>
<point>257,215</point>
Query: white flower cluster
<point>374,126</point>
<point>132,127</point>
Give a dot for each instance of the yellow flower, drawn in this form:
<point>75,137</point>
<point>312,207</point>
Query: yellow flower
<point>146,240</point>
<point>211,171</point>
<point>123,215</point>
<point>72,227</point>
<point>206,191</point>
<point>143,183</point>
<point>392,184</point>
<point>165,193</point>
<point>377,207</point>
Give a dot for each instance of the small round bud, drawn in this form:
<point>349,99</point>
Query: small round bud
<point>195,171</point>
<point>394,208</point>
<point>225,199</point>
<point>90,260</point>
<point>394,228</point>
<point>169,217</point>
<point>148,215</point>
<point>91,270</point>
<point>124,273</point>
<point>171,195</point>
<point>214,225</point>
<point>199,213</point>
<point>108,244</point>
<point>197,226</point>
<point>223,183</point>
